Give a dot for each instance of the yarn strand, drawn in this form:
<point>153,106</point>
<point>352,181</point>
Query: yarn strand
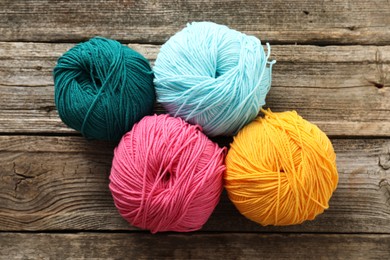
<point>213,76</point>
<point>166,175</point>
<point>281,170</point>
<point>102,88</point>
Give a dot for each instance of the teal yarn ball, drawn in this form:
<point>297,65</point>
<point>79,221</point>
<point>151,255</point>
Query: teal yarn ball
<point>102,88</point>
<point>213,76</point>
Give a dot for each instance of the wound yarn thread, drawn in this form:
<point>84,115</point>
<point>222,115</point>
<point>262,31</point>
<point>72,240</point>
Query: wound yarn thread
<point>213,76</point>
<point>166,175</point>
<point>281,170</point>
<point>102,88</point>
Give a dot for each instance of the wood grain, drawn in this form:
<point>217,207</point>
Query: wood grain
<point>343,89</point>
<point>54,181</point>
<point>61,183</point>
<point>194,246</point>
<point>277,21</point>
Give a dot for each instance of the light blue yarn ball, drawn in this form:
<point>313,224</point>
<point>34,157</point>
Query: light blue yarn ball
<point>213,76</point>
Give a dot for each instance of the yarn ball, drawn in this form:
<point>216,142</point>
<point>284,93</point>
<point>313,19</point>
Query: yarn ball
<point>166,175</point>
<point>280,170</point>
<point>213,76</point>
<point>102,88</point>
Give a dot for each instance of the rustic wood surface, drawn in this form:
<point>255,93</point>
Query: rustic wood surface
<point>333,67</point>
<point>193,246</point>
<point>278,21</point>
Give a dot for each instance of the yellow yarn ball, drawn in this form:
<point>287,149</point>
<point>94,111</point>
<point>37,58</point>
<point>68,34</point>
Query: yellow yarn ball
<point>281,170</point>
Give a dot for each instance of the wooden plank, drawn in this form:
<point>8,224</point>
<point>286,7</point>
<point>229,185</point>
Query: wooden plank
<point>193,246</point>
<point>278,21</point>
<point>61,183</point>
<point>343,89</point>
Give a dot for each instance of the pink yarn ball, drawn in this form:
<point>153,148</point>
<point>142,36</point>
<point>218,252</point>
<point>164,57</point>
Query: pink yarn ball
<point>166,175</point>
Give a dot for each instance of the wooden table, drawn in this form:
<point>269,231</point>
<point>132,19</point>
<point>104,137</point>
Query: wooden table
<point>333,67</point>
